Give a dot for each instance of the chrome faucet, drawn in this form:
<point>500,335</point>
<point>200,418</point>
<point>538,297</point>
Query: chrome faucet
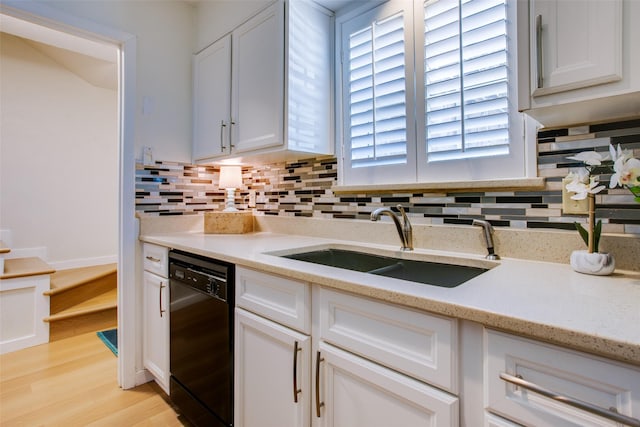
<point>488,229</point>
<point>404,230</point>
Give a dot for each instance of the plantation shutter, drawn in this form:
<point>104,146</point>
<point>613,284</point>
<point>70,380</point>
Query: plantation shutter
<point>466,86</point>
<point>377,116</point>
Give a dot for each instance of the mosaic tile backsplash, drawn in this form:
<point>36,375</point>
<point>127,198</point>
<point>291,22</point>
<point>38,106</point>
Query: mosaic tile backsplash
<point>303,189</point>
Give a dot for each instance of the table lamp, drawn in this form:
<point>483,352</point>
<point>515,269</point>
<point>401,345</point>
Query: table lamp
<point>230,179</point>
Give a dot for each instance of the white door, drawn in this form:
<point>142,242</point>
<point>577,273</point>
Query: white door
<point>272,372</point>
<point>355,392</point>
<point>212,100</point>
<point>575,44</point>
<point>258,81</point>
<point>155,348</point>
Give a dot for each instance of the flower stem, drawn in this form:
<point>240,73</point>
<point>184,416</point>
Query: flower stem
<point>592,221</point>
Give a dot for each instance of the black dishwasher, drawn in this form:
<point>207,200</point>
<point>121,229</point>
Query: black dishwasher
<point>201,340</point>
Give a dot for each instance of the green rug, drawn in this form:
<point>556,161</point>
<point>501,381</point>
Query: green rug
<point>110,339</point>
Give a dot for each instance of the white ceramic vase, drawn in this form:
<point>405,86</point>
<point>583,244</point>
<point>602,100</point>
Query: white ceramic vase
<point>597,263</point>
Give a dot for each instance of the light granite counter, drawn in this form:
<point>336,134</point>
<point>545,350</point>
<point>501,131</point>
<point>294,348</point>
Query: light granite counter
<point>542,300</point>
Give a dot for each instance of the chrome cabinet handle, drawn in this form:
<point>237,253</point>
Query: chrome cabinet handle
<point>222,126</point>
<point>296,390</point>
<point>160,293</point>
<point>318,403</point>
<point>231,144</point>
<point>539,51</point>
<point>610,414</point>
<point>152,259</point>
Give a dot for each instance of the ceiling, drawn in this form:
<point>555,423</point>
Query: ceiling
<point>93,61</point>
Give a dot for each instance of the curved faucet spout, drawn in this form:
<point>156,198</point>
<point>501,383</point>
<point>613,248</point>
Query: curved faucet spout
<point>404,229</point>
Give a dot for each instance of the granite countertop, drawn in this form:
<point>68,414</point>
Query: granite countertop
<point>541,300</point>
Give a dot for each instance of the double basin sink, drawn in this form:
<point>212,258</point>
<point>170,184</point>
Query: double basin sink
<point>434,272</point>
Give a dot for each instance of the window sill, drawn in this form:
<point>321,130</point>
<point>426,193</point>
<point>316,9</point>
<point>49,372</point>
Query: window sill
<point>445,187</point>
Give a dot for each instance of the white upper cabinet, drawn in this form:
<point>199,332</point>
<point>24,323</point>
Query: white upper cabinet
<point>212,100</point>
<point>577,44</point>
<point>263,92</point>
<point>580,53</point>
<point>257,83</point>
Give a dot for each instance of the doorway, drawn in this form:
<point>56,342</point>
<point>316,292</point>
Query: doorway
<point>124,44</point>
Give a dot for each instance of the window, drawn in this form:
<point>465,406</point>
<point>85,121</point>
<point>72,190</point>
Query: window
<point>454,117</point>
<point>377,79</point>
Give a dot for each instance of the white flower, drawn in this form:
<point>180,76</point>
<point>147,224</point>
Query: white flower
<point>627,168</point>
<point>581,184</point>
<point>591,158</point>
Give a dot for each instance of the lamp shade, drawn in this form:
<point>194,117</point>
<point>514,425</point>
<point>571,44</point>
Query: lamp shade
<point>230,176</point>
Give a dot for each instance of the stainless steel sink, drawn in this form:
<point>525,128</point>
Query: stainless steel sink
<point>432,273</point>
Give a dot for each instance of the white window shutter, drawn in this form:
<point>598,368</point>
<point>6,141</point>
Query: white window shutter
<point>466,78</point>
<point>378,114</point>
<point>469,123</point>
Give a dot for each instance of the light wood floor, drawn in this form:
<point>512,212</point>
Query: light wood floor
<point>72,382</point>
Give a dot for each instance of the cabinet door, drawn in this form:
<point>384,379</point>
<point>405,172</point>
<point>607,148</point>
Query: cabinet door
<point>578,384</point>
<point>155,348</point>
<point>212,100</point>
<point>575,44</point>
<point>418,344</point>
<point>257,97</point>
<point>272,372</point>
<point>358,393</point>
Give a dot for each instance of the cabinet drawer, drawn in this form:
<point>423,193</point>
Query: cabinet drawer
<point>282,300</point>
<point>491,420</point>
<point>595,381</point>
<point>355,392</point>
<point>421,345</point>
<point>156,259</point>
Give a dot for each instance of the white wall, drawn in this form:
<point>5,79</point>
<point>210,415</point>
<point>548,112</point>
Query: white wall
<point>164,33</point>
<point>58,158</point>
<point>217,18</point>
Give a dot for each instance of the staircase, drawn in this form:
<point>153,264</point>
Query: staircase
<point>23,304</point>
<point>82,300</point>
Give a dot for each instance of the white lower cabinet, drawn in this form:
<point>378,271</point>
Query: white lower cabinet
<point>537,384</point>
<point>356,362</point>
<point>155,313</point>
<point>355,392</point>
<point>380,364</point>
<point>491,420</point>
<point>272,351</point>
<point>155,346</point>
<point>272,373</point>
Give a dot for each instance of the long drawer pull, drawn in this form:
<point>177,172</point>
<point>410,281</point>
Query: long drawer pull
<point>610,414</point>
<point>539,69</point>
<point>296,390</point>
<point>153,259</point>
<point>318,403</point>
<point>160,293</point>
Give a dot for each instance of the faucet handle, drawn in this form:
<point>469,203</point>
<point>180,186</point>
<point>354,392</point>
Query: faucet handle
<point>402,212</point>
<point>407,230</point>
<point>488,230</point>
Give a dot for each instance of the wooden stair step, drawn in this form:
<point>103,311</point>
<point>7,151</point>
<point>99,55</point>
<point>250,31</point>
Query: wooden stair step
<point>101,302</point>
<point>65,280</point>
<point>4,249</point>
<point>24,267</point>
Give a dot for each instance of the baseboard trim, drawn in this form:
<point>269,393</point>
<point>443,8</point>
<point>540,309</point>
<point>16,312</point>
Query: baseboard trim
<point>38,252</point>
<point>84,262</point>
